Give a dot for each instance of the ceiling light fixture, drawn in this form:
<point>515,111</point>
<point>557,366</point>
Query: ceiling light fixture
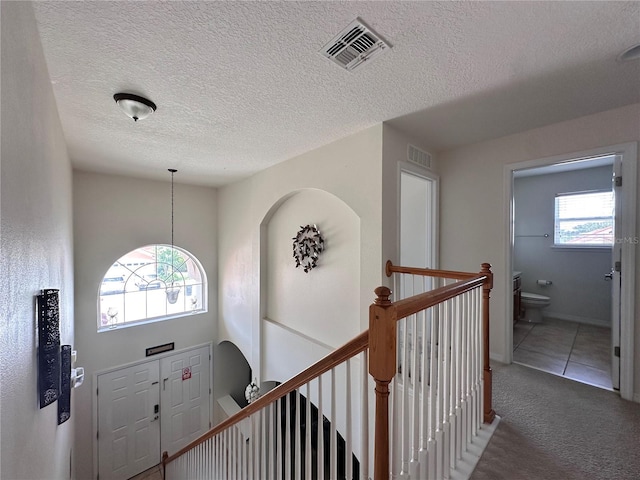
<point>135,106</point>
<point>631,53</point>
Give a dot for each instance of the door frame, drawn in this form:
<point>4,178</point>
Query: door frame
<point>434,178</point>
<point>94,393</point>
<point>629,154</point>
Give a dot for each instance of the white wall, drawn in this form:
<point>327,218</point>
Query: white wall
<point>579,291</point>
<point>231,375</point>
<point>473,209</point>
<point>113,215</point>
<point>349,169</point>
<point>37,250</point>
<point>316,303</point>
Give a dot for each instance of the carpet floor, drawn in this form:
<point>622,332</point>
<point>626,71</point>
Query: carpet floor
<point>553,428</point>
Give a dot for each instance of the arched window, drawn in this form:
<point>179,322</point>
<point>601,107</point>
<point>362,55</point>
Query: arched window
<point>151,283</point>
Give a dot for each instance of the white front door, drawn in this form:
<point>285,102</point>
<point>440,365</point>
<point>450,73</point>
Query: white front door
<point>185,412</point>
<point>128,427</point>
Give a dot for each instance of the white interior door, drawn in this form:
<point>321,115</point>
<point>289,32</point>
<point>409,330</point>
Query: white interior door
<point>418,207</point>
<point>128,428</point>
<point>185,397</point>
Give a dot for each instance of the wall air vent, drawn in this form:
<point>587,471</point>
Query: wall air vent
<point>354,45</point>
<point>418,156</point>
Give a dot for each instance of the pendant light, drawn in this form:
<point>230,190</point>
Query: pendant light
<point>172,292</point>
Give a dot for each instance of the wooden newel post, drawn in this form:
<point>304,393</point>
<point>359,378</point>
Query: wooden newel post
<point>489,413</point>
<point>382,367</point>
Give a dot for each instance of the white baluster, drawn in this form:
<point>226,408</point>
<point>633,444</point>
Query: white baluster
<point>433,389</point>
<point>424,392</point>
<point>287,436</point>
<point>478,373</point>
<point>279,443</point>
<point>226,454</point>
<point>364,417</point>
<point>406,388</point>
<point>333,440</point>
<point>480,361</point>
<point>242,452</point>
<point>320,462</point>
<point>455,372</point>
<point>216,457</point>
<point>263,443</point>
<point>296,438</point>
<point>234,453</point>
<point>253,456</point>
<point>475,352</point>
<point>348,468</point>
<point>446,354</point>
<point>414,420</point>
<point>440,395</point>
<point>307,435</point>
<point>464,405</point>
<point>271,436</point>
<point>395,405</point>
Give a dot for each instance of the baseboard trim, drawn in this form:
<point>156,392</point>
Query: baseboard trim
<point>496,357</point>
<point>577,318</point>
<point>467,464</point>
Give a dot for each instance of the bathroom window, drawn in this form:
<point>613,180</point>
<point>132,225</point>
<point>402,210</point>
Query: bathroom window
<point>584,219</point>
<point>151,283</point>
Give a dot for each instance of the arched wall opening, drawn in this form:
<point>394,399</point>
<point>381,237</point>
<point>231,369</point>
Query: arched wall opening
<point>231,375</point>
<point>323,304</point>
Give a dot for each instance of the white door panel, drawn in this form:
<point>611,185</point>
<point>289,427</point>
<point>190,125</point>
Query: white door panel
<point>185,398</point>
<point>128,430</point>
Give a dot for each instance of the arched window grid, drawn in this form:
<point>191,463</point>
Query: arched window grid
<point>150,284</point>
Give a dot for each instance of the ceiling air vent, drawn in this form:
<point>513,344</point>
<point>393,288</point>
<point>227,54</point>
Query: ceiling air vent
<point>418,156</point>
<point>354,45</point>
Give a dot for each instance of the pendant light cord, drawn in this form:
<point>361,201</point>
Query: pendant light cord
<point>172,170</point>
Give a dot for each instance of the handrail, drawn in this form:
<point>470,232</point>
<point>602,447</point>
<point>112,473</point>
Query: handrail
<point>380,339</point>
<point>333,359</point>
<point>390,268</point>
<point>422,301</point>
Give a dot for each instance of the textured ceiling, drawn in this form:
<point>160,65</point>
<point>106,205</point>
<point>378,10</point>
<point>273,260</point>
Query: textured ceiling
<point>241,86</point>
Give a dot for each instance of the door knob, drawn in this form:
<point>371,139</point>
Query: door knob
<point>608,276</point>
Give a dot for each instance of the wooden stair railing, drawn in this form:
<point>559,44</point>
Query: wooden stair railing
<point>332,360</point>
<point>381,341</point>
<point>384,315</point>
<point>485,277</point>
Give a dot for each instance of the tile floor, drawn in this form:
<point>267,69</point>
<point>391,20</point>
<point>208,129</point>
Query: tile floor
<point>569,349</point>
<point>154,473</point>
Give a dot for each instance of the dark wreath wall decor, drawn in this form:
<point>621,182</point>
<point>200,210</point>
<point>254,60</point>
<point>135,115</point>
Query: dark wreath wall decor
<point>307,246</point>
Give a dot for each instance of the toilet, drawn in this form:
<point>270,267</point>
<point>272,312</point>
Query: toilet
<point>533,305</point>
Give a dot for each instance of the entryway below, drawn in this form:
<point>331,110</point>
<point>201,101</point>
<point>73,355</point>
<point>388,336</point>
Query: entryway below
<point>568,349</point>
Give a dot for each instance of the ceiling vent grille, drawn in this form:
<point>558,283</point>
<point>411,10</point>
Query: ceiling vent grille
<point>418,156</point>
<point>354,45</point>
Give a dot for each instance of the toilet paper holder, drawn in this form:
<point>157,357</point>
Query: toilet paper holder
<point>544,283</point>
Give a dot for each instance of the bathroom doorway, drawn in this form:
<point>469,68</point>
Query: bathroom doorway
<point>577,263</point>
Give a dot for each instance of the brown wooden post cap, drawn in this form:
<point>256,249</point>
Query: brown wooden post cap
<point>383,293</point>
